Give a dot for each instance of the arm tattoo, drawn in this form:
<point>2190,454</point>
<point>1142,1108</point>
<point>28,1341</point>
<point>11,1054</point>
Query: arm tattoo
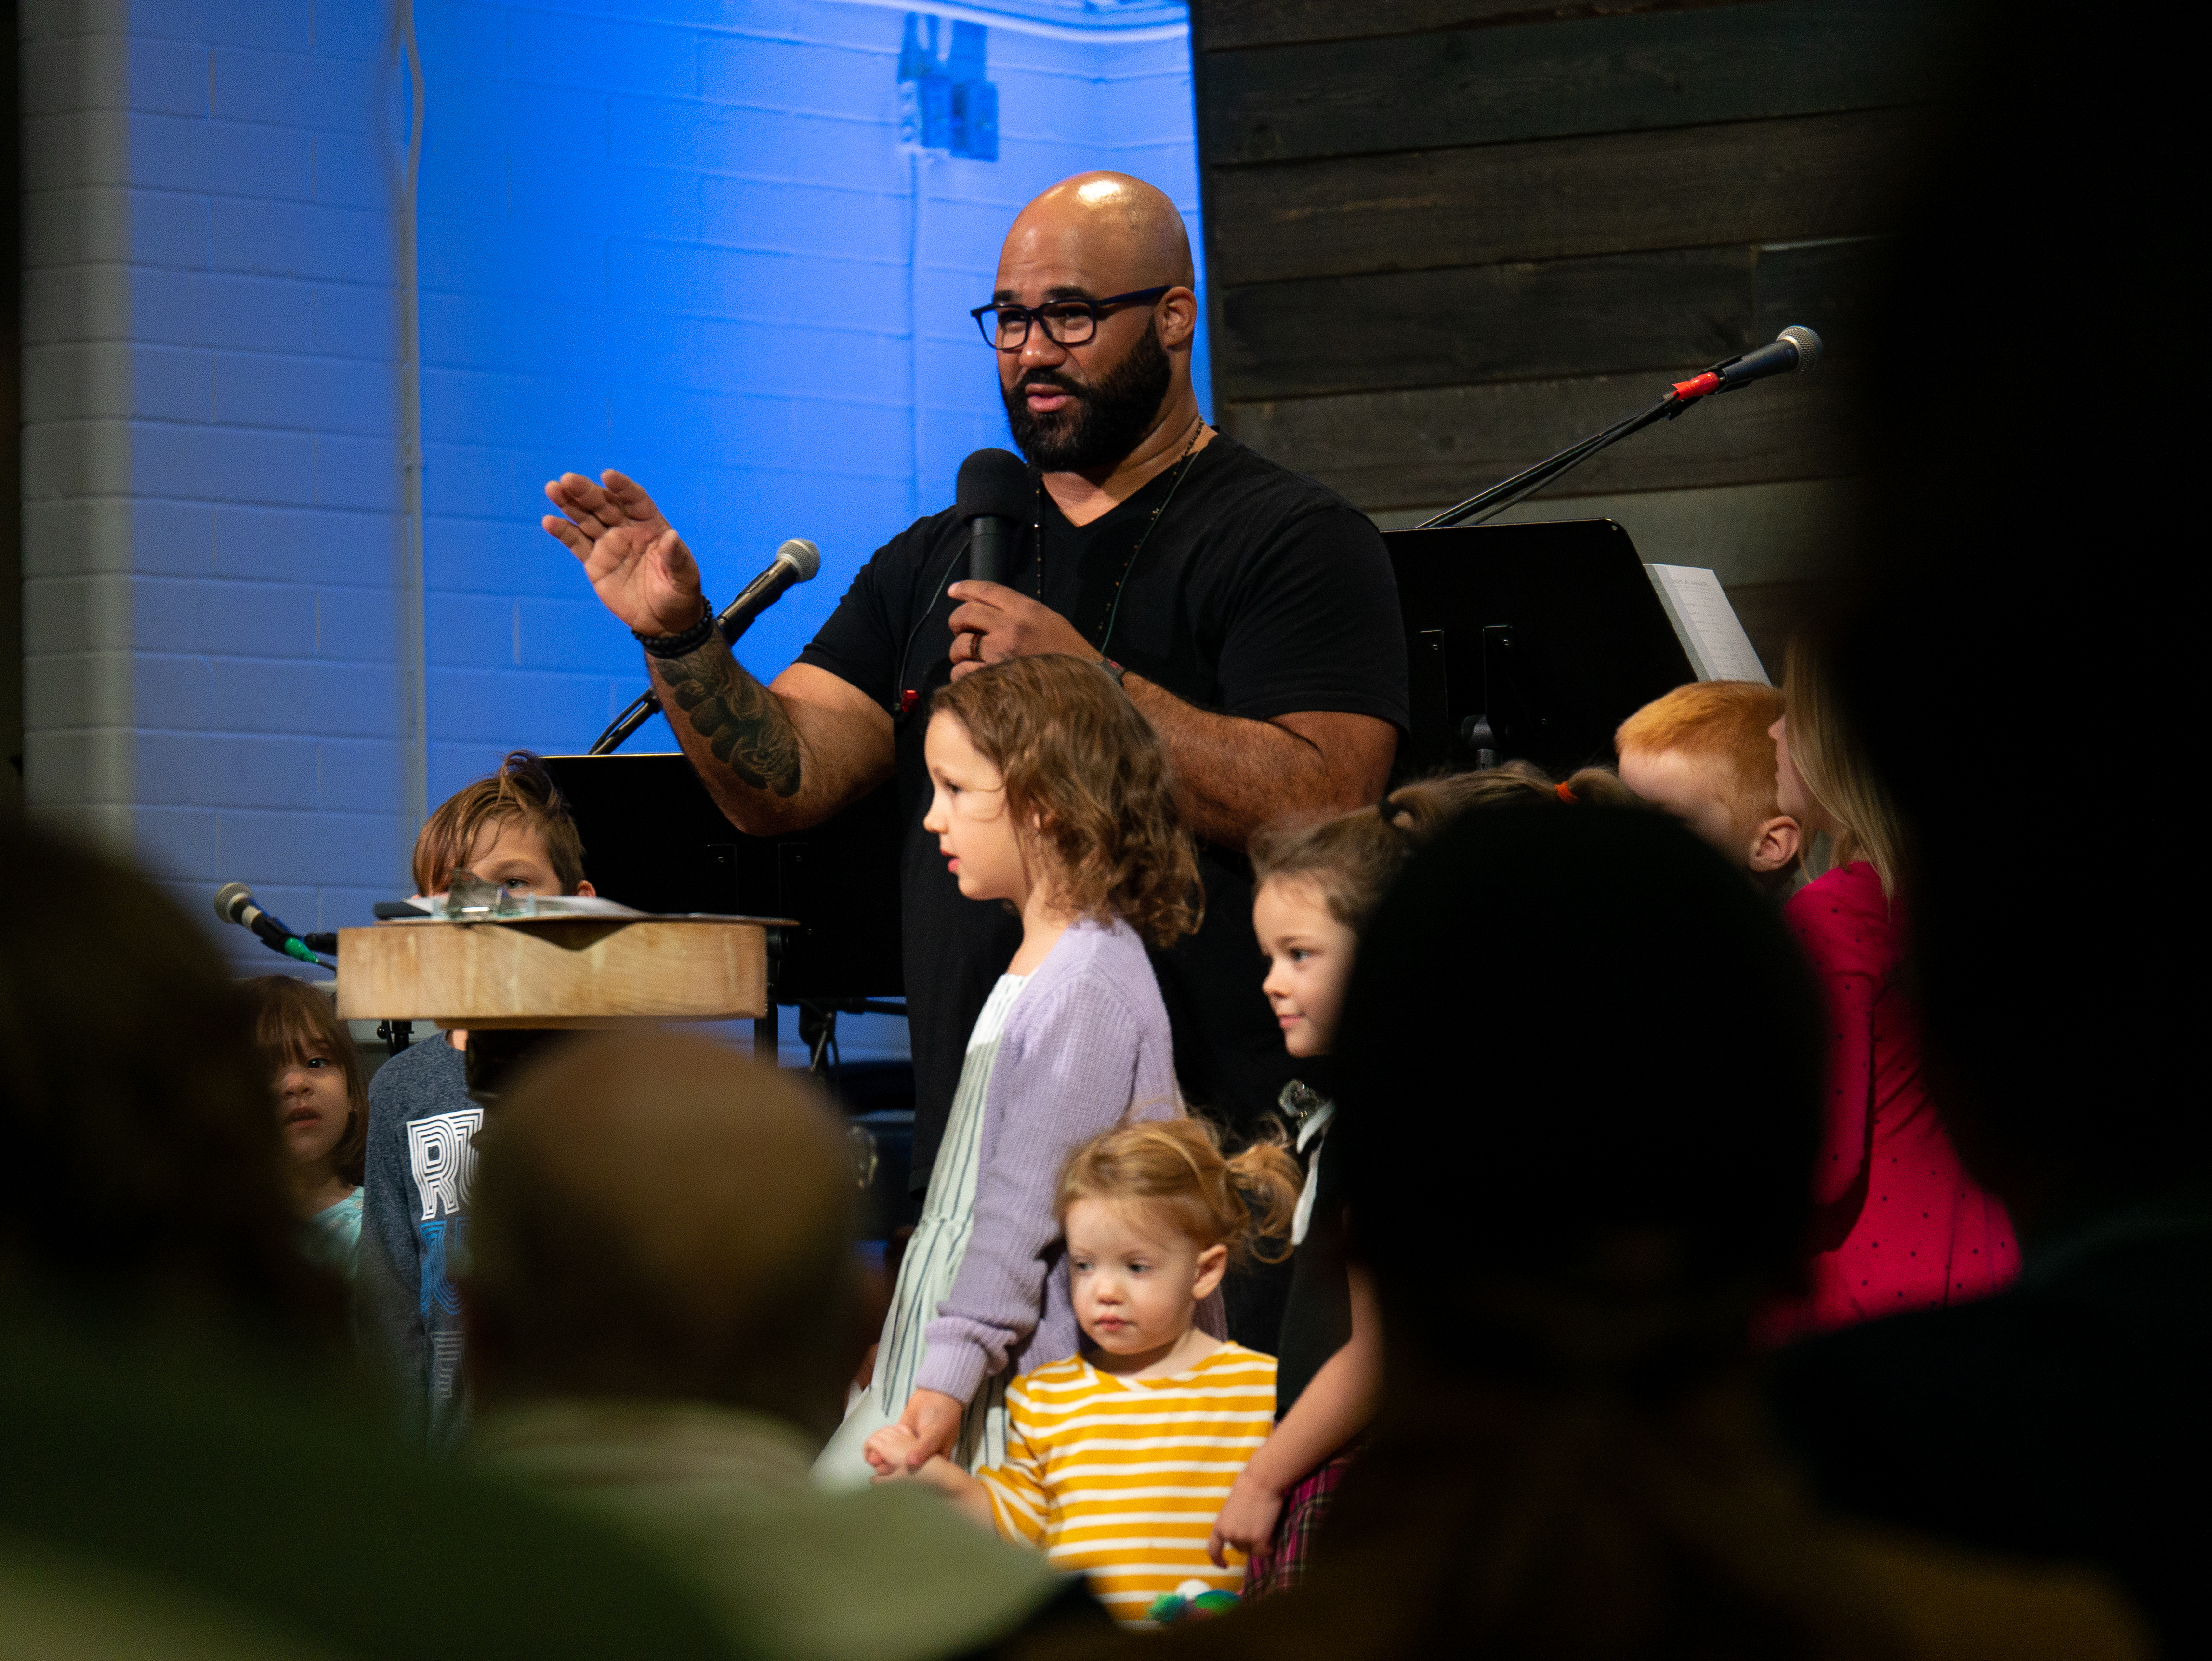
<point>739,718</point>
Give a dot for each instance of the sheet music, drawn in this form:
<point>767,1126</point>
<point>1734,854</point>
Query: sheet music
<point>1706,624</point>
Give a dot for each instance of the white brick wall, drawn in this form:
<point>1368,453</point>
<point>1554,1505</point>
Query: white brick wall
<point>210,474</point>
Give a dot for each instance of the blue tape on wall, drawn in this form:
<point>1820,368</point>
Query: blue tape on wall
<point>949,104</point>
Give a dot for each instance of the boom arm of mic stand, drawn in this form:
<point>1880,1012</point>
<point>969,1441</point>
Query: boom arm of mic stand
<point>647,706</point>
<point>1488,504</point>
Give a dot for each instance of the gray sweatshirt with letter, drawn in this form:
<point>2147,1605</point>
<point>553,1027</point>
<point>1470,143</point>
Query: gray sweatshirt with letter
<point>421,1162</point>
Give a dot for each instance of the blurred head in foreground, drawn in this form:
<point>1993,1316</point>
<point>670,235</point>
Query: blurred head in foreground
<point>657,1219</point>
<point>1611,1037</point>
<point>2016,575</point>
<point>144,1169</point>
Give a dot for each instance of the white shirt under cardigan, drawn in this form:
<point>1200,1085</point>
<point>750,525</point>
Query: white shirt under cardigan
<point>1086,1046</point>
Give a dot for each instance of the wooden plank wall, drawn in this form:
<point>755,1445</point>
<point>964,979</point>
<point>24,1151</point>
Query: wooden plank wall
<point>1447,237</point>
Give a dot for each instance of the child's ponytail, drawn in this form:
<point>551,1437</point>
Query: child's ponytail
<point>1268,1181</point>
<point>1241,1202</point>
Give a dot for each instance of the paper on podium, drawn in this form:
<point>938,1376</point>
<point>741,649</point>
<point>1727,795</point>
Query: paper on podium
<point>521,908</point>
<point>1706,624</point>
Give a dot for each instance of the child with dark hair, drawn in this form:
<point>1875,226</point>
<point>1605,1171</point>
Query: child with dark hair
<point>1118,1457</point>
<point>512,829</point>
<point>1053,796</point>
<point>322,1107</point>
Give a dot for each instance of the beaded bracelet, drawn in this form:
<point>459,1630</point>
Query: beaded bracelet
<point>675,645</point>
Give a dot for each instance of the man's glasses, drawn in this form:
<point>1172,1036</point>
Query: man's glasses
<point>1066,322</point>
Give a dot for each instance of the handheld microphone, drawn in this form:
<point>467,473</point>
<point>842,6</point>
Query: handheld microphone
<point>1795,349</point>
<point>234,903</point>
<point>994,494</point>
<point>796,561</point>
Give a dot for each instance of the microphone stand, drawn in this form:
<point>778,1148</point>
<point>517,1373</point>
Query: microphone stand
<point>646,706</point>
<point>1488,504</point>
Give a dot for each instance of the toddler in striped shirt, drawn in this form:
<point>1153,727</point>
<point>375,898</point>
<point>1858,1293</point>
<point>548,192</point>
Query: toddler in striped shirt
<point>1118,1459</point>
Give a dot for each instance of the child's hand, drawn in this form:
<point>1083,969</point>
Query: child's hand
<point>1247,1523</point>
<point>931,1419</point>
<point>888,1450</point>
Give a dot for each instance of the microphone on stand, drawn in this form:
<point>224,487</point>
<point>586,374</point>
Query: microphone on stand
<point>1796,349</point>
<point>995,494</point>
<point>234,903</point>
<point>796,561</point>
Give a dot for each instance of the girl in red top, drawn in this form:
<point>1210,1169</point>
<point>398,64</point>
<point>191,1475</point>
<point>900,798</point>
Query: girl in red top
<point>1898,1224</point>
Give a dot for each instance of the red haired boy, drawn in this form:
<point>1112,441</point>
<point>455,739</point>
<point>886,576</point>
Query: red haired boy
<point>1704,754</point>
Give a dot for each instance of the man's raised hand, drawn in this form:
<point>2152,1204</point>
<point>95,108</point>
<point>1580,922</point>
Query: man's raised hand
<point>638,565</point>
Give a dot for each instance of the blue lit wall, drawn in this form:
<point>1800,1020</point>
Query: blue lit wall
<point>686,238</point>
<point>688,241</point>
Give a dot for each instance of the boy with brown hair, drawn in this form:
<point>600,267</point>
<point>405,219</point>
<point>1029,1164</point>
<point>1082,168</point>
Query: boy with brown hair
<point>1703,753</point>
<point>513,829</point>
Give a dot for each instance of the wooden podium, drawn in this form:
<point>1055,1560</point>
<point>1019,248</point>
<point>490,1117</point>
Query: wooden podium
<point>555,971</point>
<point>513,983</point>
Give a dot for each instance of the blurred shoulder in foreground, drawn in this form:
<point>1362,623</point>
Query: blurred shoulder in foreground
<point>664,1307</point>
<point>186,1464</point>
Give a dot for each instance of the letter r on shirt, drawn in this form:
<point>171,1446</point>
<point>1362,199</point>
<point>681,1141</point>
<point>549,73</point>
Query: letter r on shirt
<point>442,1151</point>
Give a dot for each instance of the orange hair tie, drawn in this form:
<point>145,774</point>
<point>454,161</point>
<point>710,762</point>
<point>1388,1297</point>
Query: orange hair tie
<point>1563,792</point>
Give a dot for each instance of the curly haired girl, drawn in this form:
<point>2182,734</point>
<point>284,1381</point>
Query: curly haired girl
<point>1053,796</point>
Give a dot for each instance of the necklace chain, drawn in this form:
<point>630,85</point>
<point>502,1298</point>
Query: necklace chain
<point>1036,530</point>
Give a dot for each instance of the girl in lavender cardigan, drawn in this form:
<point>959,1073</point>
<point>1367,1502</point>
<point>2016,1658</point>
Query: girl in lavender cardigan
<point>1052,794</point>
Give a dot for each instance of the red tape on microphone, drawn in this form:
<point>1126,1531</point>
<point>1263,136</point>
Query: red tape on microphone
<point>1697,386</point>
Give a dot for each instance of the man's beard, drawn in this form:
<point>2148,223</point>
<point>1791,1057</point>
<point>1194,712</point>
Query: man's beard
<point>1101,423</point>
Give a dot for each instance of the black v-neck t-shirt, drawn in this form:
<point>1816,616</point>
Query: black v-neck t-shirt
<point>1259,593</point>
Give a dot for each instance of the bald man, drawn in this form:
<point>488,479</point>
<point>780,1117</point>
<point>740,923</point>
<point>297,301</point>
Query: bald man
<point>663,1310</point>
<point>1249,613</point>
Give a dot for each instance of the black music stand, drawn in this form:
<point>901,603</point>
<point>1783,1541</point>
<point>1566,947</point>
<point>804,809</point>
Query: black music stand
<point>1528,641</point>
<point>654,839</point>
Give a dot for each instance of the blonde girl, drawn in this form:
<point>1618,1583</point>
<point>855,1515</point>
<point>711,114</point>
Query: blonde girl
<point>1117,1459</point>
<point>1898,1224</point>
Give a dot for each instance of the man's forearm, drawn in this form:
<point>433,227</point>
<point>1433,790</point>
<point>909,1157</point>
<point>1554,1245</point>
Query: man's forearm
<point>1238,774</point>
<point>739,737</point>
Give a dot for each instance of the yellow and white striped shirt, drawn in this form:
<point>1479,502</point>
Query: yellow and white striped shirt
<point>1122,1478</point>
